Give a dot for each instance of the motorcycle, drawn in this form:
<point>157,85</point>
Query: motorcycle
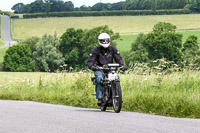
<point>112,94</point>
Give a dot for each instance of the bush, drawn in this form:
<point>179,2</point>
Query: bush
<point>191,53</point>
<point>31,42</point>
<point>138,52</point>
<point>46,56</point>
<point>164,43</point>
<point>18,58</point>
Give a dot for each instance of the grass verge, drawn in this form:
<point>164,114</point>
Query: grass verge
<point>2,53</point>
<point>1,29</point>
<point>176,94</point>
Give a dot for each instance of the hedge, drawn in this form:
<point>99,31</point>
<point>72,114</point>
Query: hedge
<point>107,13</point>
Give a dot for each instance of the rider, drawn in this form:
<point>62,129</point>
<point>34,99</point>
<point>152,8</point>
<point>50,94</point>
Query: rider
<point>103,55</point>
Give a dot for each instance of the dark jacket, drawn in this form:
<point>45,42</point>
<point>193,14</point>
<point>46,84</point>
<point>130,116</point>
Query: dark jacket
<point>103,56</point>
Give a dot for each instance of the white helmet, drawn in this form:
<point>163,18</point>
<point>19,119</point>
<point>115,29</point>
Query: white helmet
<point>104,40</point>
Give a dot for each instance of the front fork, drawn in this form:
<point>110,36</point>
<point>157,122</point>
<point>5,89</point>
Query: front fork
<point>114,89</point>
<point>106,92</point>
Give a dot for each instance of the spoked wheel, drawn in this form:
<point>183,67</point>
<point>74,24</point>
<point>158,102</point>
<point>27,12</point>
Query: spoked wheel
<point>117,97</point>
<point>103,107</point>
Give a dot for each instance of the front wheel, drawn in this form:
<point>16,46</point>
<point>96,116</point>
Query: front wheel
<point>117,96</point>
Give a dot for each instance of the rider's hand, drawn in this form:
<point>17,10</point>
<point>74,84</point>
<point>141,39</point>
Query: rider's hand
<point>93,68</point>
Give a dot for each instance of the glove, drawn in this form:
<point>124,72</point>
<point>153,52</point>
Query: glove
<point>123,68</point>
<point>93,68</point>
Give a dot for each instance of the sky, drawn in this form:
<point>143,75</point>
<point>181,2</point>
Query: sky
<point>6,5</point>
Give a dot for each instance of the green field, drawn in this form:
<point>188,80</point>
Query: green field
<point>127,40</point>
<point>177,94</point>
<point>127,26</point>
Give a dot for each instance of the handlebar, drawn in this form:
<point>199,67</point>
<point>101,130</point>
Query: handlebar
<point>109,67</point>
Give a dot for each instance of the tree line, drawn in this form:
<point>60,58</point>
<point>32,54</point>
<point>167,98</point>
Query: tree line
<point>46,6</point>
<point>72,49</point>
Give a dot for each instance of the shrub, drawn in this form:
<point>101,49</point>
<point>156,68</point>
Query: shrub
<point>191,53</point>
<point>18,59</point>
<point>138,52</point>
<point>163,42</point>
<point>31,42</point>
<point>46,56</point>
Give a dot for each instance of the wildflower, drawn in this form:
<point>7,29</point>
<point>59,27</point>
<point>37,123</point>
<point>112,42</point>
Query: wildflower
<point>157,68</point>
<point>81,72</point>
<point>145,79</point>
<point>155,61</point>
<point>175,65</point>
<point>161,60</point>
<point>159,73</point>
<point>166,62</point>
<point>61,66</point>
<point>163,66</point>
<point>144,73</point>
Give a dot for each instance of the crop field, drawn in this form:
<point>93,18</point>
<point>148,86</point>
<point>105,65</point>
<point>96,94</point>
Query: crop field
<point>124,25</point>
<point>177,94</point>
<point>127,26</point>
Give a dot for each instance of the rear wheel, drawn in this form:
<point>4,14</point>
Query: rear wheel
<point>117,97</point>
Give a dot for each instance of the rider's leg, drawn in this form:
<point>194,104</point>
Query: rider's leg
<point>99,78</point>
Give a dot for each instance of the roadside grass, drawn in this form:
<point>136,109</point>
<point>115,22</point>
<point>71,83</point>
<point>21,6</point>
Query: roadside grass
<point>1,31</point>
<point>2,53</point>
<point>176,94</point>
<point>1,43</point>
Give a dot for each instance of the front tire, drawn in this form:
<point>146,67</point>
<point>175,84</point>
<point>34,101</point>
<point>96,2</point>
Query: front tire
<point>117,97</point>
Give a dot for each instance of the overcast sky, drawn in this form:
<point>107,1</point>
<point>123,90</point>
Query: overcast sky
<point>6,5</point>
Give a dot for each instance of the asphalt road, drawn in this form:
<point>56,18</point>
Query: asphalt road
<point>6,32</point>
<point>33,117</point>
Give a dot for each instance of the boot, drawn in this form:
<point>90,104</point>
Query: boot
<point>99,102</point>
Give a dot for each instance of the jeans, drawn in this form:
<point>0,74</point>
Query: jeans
<point>99,79</point>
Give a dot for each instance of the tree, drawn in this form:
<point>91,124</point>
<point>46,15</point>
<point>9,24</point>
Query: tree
<point>18,8</point>
<point>18,58</point>
<point>163,42</point>
<point>69,6</point>
<point>138,52</point>
<point>101,7</point>
<point>47,57</point>
<point>85,8</point>
<point>38,6</point>
<point>31,42</point>
<point>117,6</point>
<point>71,47</point>
<point>191,52</point>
